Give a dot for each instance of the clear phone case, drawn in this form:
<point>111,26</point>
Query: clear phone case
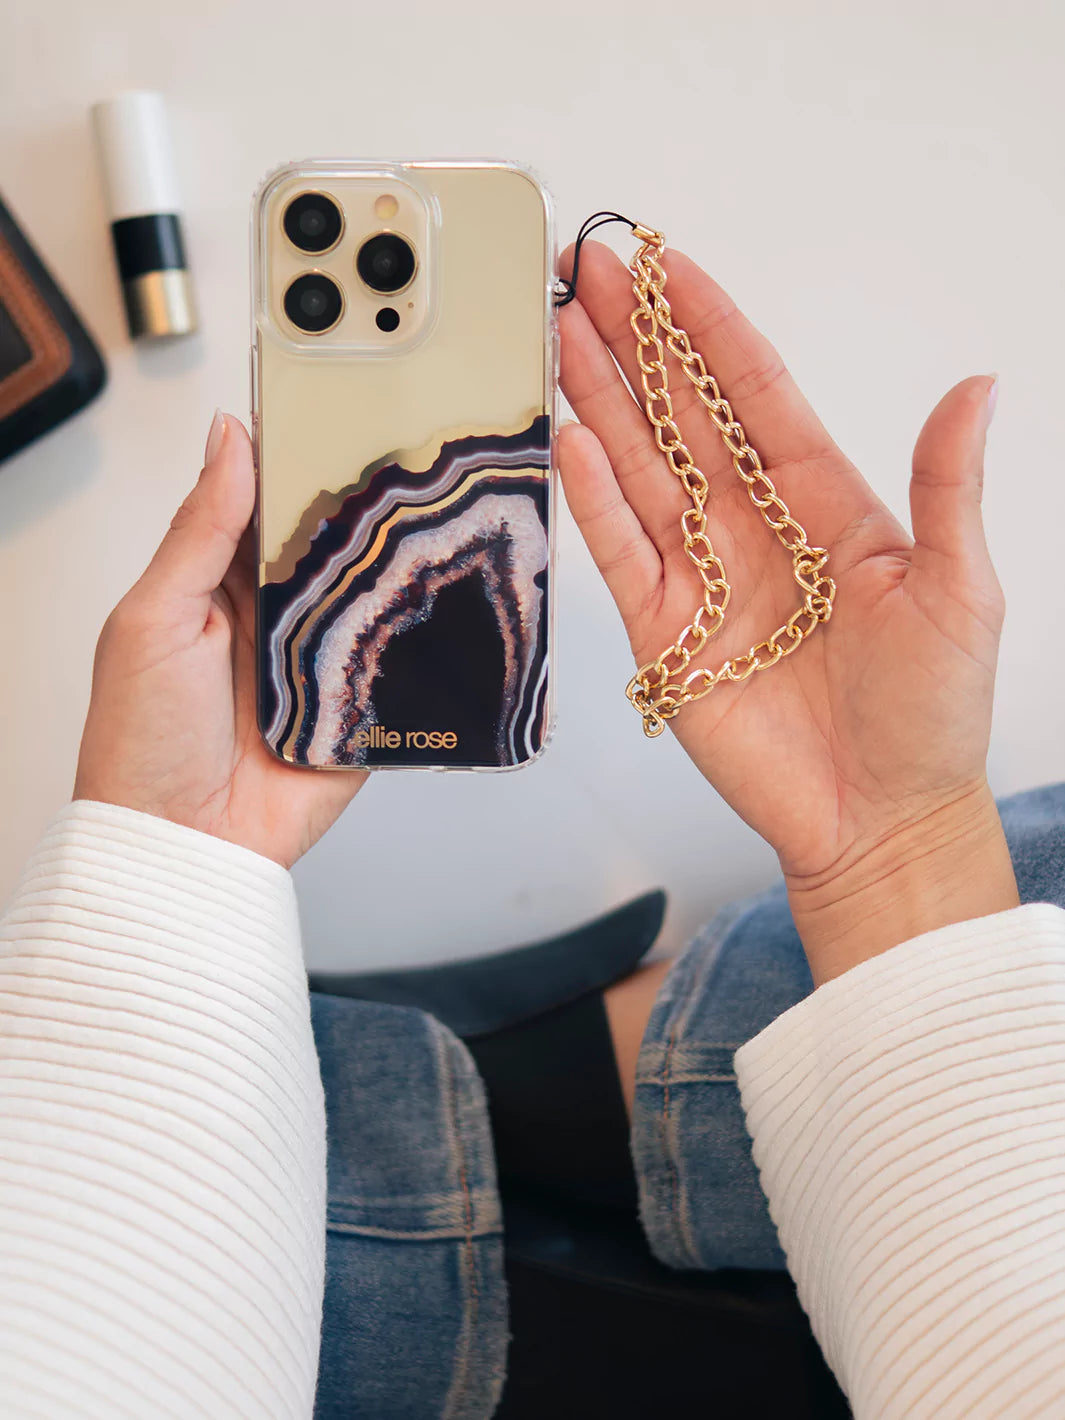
<point>405,455</point>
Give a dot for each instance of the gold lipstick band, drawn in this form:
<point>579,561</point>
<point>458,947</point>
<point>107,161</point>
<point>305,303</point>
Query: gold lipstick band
<point>160,303</point>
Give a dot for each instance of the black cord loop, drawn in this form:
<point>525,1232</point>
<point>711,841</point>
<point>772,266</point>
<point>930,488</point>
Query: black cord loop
<point>594,222</point>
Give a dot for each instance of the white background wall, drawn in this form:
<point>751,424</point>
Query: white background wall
<point>879,184</point>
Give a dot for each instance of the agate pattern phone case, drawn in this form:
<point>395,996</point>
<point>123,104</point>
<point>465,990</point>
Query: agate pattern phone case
<point>404,447</point>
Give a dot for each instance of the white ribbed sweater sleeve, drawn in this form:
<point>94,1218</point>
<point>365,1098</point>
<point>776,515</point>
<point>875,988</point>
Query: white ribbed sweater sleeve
<point>908,1121</point>
<point>162,1131</point>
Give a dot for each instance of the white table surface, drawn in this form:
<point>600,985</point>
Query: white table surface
<point>880,185</point>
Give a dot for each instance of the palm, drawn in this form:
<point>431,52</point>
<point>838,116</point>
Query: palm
<point>268,800</point>
<point>877,695</point>
<point>172,727</point>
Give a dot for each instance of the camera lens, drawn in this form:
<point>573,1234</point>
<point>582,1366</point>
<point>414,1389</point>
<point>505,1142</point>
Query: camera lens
<point>313,222</point>
<point>386,262</point>
<point>314,302</point>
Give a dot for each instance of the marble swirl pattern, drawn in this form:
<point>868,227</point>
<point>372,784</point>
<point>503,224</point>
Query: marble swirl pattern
<point>375,568</point>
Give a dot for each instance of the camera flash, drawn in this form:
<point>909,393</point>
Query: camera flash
<point>386,207</point>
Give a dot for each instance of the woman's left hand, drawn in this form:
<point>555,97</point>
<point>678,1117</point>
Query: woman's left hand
<point>172,727</point>
<point>861,756</point>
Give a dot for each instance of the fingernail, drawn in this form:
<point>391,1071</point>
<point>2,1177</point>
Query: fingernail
<point>566,422</point>
<point>215,437</point>
<point>992,399</point>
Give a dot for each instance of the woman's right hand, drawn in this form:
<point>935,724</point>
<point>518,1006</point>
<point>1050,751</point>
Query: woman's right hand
<point>172,727</point>
<point>861,756</point>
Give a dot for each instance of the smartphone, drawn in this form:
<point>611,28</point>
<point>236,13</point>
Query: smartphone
<point>404,364</point>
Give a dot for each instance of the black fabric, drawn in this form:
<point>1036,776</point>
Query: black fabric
<point>534,1020</point>
<point>482,995</point>
<point>600,1328</point>
<point>558,1115</point>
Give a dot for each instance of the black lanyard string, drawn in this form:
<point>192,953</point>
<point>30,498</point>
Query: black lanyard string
<point>595,221</point>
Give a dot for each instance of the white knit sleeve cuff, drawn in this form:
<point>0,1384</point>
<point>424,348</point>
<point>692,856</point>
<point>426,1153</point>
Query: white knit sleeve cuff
<point>162,1130</point>
<point>103,857</point>
<point>908,1122</point>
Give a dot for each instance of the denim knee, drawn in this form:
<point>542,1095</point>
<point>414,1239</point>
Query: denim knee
<point>415,1315</point>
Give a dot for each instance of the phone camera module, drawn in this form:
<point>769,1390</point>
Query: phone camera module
<point>314,303</point>
<point>313,222</point>
<point>386,262</point>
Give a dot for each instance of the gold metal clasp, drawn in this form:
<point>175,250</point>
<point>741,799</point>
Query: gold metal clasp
<point>648,234</point>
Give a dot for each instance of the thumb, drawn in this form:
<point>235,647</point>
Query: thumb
<point>948,473</point>
<point>202,540</point>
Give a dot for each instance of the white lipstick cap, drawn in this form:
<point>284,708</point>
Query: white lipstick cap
<point>133,136</point>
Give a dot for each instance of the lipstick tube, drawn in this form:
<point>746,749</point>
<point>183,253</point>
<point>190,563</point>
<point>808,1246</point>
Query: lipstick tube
<point>140,181</point>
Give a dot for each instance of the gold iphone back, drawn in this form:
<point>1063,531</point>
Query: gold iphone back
<point>405,465</point>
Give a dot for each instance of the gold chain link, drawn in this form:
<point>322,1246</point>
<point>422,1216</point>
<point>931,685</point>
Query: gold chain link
<point>656,689</point>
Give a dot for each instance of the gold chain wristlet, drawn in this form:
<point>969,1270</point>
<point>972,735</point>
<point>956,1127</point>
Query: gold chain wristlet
<point>657,690</point>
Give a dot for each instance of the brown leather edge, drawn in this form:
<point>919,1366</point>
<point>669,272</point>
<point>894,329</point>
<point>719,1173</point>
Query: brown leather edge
<point>50,353</point>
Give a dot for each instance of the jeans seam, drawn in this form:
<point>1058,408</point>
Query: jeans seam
<point>460,1380</point>
<point>695,971</point>
<point>370,1200</point>
<point>667,1123</point>
<point>706,1080</point>
<point>414,1235</point>
<point>681,1220</point>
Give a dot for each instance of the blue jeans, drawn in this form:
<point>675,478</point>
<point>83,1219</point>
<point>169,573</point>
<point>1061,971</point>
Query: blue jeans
<point>415,1318</point>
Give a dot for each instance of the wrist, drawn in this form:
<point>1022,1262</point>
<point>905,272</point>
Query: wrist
<point>182,841</point>
<point>948,865</point>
